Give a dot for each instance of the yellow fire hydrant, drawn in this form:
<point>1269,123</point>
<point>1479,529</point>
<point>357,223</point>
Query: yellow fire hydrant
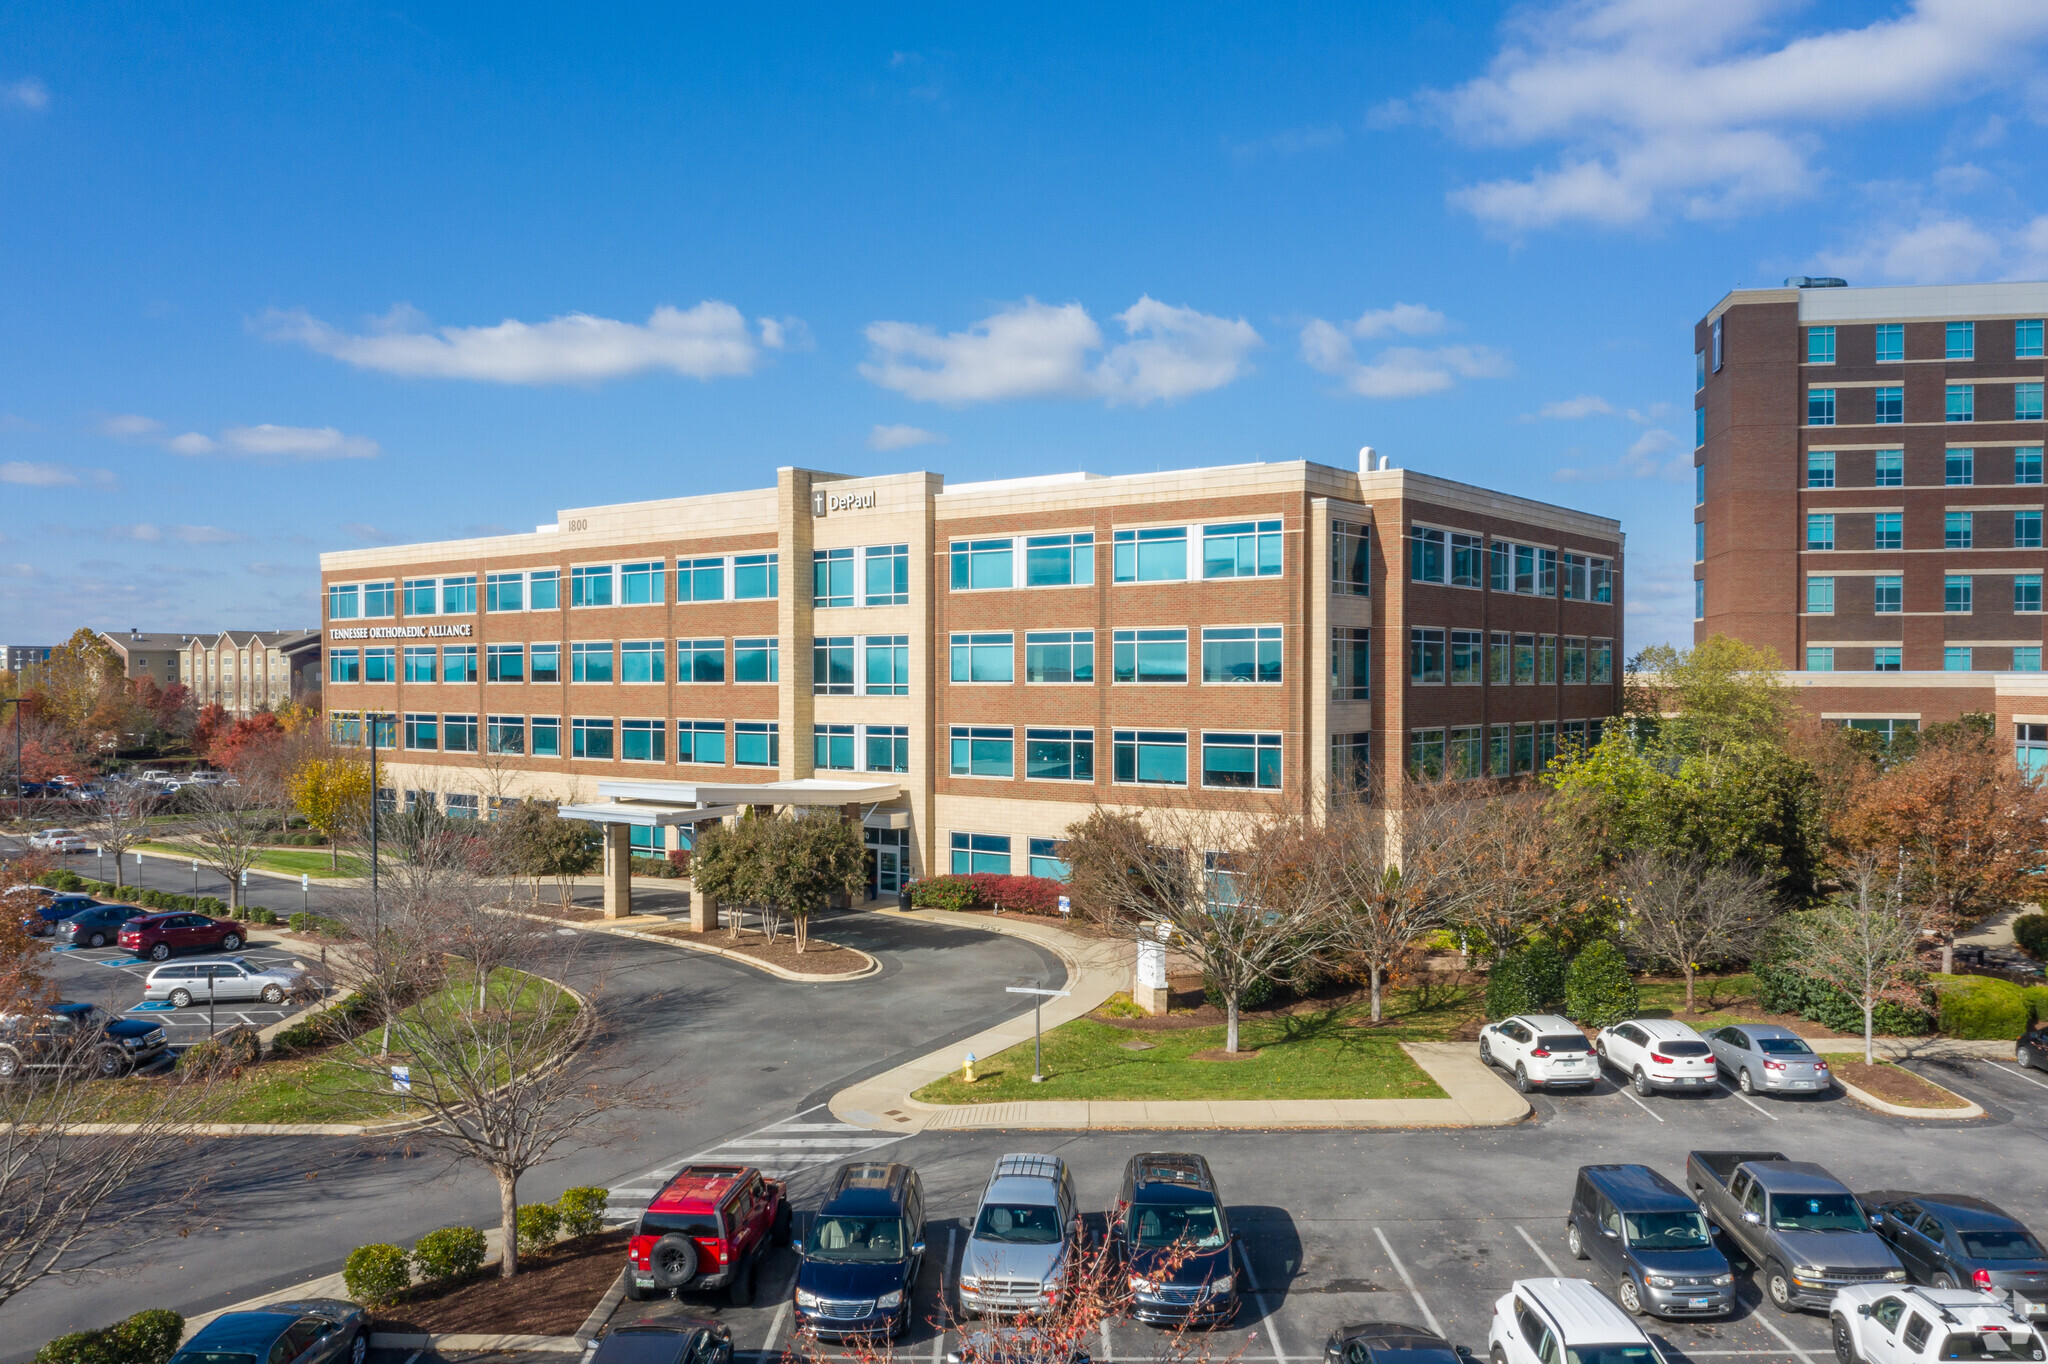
<point>967,1071</point>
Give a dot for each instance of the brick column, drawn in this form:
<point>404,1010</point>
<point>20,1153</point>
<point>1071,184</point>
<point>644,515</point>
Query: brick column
<point>618,871</point>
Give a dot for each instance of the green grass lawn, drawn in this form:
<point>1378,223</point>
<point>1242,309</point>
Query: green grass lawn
<point>314,862</point>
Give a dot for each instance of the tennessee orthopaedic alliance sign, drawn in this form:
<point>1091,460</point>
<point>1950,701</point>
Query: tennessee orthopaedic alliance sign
<point>398,631</point>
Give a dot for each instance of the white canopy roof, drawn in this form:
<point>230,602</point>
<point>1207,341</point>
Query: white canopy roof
<point>655,804</point>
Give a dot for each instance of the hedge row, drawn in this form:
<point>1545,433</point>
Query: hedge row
<point>168,901</point>
<point>1784,991</point>
<point>317,1028</point>
<point>379,1274</point>
<point>145,1338</point>
<point>2031,932</point>
<point>1987,1008</point>
<point>1030,894</point>
<point>1594,989</point>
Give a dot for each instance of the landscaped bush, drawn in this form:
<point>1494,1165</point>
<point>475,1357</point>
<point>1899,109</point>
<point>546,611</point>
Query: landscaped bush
<point>942,892</point>
<point>1027,894</point>
<point>375,1275</point>
<point>539,1224</point>
<point>1547,974</point>
<point>301,922</point>
<point>1527,982</point>
<point>657,866</point>
<point>1781,990</point>
<point>450,1253</point>
<point>2031,932</point>
<point>2037,1001</point>
<point>318,1028</point>
<point>1981,1007</point>
<point>1255,994</point>
<point>582,1210</point>
<point>1598,990</point>
<point>226,1051</point>
<point>146,1338</point>
<point>260,915</point>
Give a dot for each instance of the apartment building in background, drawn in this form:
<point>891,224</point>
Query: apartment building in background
<point>20,656</point>
<point>973,667</point>
<point>149,653</point>
<point>1868,495</point>
<point>245,671</point>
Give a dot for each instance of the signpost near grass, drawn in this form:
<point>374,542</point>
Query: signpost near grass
<point>1037,1026</point>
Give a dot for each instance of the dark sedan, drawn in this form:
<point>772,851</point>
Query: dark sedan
<point>97,925</point>
<point>665,1340</point>
<point>49,916</point>
<point>2031,1052</point>
<point>1960,1241</point>
<point>311,1331</point>
<point>1386,1342</point>
<point>157,936</point>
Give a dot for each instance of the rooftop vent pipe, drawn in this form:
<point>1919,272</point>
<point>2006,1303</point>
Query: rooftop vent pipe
<point>1371,461</point>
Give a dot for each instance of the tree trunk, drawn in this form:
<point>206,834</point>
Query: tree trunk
<point>1869,1059</point>
<point>333,853</point>
<point>1375,992</point>
<point>508,1223</point>
<point>801,925</point>
<point>1230,1033</point>
<point>117,869</point>
<point>1948,955</point>
<point>1689,967</point>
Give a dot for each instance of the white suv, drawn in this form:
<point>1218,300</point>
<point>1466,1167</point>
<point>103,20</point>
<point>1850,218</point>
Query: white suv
<point>1877,1323</point>
<point>1548,1321</point>
<point>1543,1051</point>
<point>1656,1053</point>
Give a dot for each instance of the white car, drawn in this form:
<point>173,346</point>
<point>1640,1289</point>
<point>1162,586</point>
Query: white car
<point>58,841</point>
<point>1549,1321</point>
<point>1542,1051</point>
<point>1875,1323</point>
<point>1656,1053</point>
<point>223,979</point>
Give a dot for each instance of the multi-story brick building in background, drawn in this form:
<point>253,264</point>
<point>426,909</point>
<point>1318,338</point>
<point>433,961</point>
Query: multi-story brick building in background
<point>1869,498</point>
<point>978,666</point>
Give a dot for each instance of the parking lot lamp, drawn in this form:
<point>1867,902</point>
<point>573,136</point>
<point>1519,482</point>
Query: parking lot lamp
<point>1037,1026</point>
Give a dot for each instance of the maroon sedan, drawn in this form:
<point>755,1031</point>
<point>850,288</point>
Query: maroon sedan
<point>156,936</point>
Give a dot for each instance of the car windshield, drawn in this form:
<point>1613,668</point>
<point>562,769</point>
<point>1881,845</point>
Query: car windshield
<point>1613,1354</point>
<point>1666,1230</point>
<point>1988,1345</point>
<point>837,1238</point>
<point>1783,1046</point>
<point>1570,1041</point>
<point>1157,1225</point>
<point>1683,1048</point>
<point>212,1357</point>
<point>1023,1224</point>
<point>2000,1245</point>
<point>1816,1212</point>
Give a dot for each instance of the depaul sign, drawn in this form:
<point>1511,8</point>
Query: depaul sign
<point>823,500</point>
<point>397,631</point>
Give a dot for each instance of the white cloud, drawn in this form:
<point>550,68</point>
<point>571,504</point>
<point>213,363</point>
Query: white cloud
<point>1396,371</point>
<point>268,441</point>
<point>29,93</point>
<point>902,437</point>
<point>1571,409</point>
<point>369,534</point>
<point>1695,108</point>
<point>709,341</point>
<point>1403,319</point>
<point>1287,142</point>
<point>1036,350</point>
<point>38,475</point>
<point>1936,246</point>
<point>1656,453</point>
<point>130,426</point>
<point>191,443</point>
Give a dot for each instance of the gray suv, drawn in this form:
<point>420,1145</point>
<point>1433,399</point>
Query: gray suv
<point>1016,1257</point>
<point>1652,1240</point>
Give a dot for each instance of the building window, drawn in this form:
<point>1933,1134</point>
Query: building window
<point>420,663</point>
<point>757,660</point>
<point>701,742</point>
<point>1957,590</point>
<point>982,564</point>
<point>1426,754</point>
<point>1957,658</point>
<point>1699,485</point>
<point>1241,549</point>
<point>1820,407</point>
<point>888,748</point>
<point>422,596</point>
<point>886,665</point>
<point>547,662</point>
<point>1059,754</point>
<point>1425,554</point>
<point>345,727</point>
<point>832,665</point>
<point>2026,339</point>
<point>1890,469</point>
<point>504,592</point>
<point>885,575</point>
<point>1889,405</point>
<point>1249,762</point>
<point>1425,656</point>
<point>1961,403</point>
<point>640,584</point>
<point>1891,342</point>
<point>1958,530</point>
<point>1464,752</point>
<point>2026,402</point>
<point>1820,530</point>
<point>1603,662</point>
<point>1059,656</point>
<point>832,747</point>
<point>1525,747</point>
<point>1350,559</point>
<point>1885,659</point>
<point>2026,464</point>
<point>1820,596</point>
<point>1574,659</point>
<point>505,734</point>
<point>380,664</point>
<point>1525,660</point>
<point>1150,656</point>
<point>700,660</point>
<point>1351,762</point>
<point>646,841</point>
<point>1699,427</point>
<point>1499,747</point>
<point>344,665</point>
<point>591,585</point>
<point>2026,530</point>
<point>1699,542</point>
<point>992,657</point>
<point>1887,530</point>
<point>700,579</point>
<point>344,602</point>
<point>1247,653</point>
<point>1156,555</point>
<point>986,853</point>
<point>590,662</point>
<point>756,743</point>
<point>1888,594</point>
<point>2027,659</point>
<point>1714,333</point>
<point>1045,860</point>
<point>756,577</point>
<point>1962,341</point>
<point>1699,370</point>
<point>1820,345</point>
<point>2026,593</point>
<point>380,600</point>
<point>1959,468</point>
<point>1820,468</point>
<point>831,577</point>
<point>1150,757</point>
<point>1820,659</point>
<point>1546,660</point>
<point>1499,655</point>
<point>458,733</point>
<point>458,595</point>
<point>983,751</point>
<point>547,736</point>
<point>643,660</point>
<point>458,663</point>
<point>422,731</point>
<point>1467,557</point>
<point>1467,650</point>
<point>1350,663</point>
<point>504,662</point>
<point>590,738</point>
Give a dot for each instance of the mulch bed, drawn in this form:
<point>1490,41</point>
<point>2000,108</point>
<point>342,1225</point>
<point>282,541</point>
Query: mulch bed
<point>819,957</point>
<point>1188,1008</point>
<point>555,909</point>
<point>552,1295</point>
<point>1892,1084</point>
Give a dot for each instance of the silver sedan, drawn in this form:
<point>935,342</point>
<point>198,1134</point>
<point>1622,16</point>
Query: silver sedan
<point>1764,1056</point>
<point>221,979</point>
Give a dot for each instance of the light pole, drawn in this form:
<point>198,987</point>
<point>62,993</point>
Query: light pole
<point>1037,1026</point>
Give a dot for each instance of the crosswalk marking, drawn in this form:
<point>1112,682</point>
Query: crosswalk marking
<point>781,1148</point>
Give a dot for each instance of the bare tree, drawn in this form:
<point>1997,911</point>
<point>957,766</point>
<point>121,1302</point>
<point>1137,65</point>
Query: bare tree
<point>1686,910</point>
<point>1399,875</point>
<point>225,826</point>
<point>118,821</point>
<point>1865,942</point>
<point>1513,874</point>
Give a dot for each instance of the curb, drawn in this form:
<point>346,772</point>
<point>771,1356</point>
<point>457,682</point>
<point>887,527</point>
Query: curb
<point>389,1340</point>
<point>873,967</point>
<point>1871,1101</point>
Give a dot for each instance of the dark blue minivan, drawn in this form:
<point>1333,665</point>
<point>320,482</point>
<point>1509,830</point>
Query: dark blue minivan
<point>858,1271</point>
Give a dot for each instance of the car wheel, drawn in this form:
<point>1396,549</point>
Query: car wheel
<point>181,999</point>
<point>1631,1296</point>
<point>1522,1080</point>
<point>160,952</point>
<point>1573,1242</point>
<point>1498,1356</point>
<point>97,940</point>
<point>1642,1082</point>
<point>1743,1082</point>
<point>230,942</point>
<point>10,1065</point>
<point>673,1260</point>
<point>1943,1281</point>
<point>1486,1053</point>
<point>110,1064</point>
<point>1845,1344</point>
<point>1778,1288</point>
<point>273,994</point>
<point>634,1292</point>
<point>359,1348</point>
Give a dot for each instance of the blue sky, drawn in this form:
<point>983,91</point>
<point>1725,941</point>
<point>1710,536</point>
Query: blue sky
<point>280,279</point>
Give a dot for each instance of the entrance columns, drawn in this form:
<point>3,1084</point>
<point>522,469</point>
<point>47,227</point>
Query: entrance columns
<point>618,871</point>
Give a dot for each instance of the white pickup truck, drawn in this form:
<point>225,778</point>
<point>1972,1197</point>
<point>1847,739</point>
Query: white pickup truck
<point>1899,1324</point>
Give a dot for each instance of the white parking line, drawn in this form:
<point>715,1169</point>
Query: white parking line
<point>2016,1074</point>
<point>1266,1312</point>
<point>1548,1263</point>
<point>1772,1327</point>
<point>1413,1291</point>
<point>1727,1088</point>
<point>775,1326</point>
<point>1624,1092</point>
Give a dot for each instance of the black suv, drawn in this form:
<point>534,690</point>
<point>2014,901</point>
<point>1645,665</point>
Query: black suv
<point>1174,1242</point>
<point>858,1273</point>
<point>77,1037</point>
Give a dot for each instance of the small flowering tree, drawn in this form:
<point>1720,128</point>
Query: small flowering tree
<point>1865,943</point>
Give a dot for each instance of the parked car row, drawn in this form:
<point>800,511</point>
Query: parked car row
<point>1545,1051</point>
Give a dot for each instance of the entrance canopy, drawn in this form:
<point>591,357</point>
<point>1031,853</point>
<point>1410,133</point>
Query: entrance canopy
<point>654,804</point>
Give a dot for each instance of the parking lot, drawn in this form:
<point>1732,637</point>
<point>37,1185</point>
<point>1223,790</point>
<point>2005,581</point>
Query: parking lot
<point>113,979</point>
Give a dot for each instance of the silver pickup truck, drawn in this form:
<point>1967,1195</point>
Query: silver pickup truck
<point>1797,1224</point>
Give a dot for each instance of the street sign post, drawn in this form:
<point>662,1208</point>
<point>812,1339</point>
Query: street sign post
<point>1037,1025</point>
<point>401,1079</point>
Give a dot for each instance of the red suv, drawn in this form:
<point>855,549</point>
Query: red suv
<point>156,936</point>
<point>704,1230</point>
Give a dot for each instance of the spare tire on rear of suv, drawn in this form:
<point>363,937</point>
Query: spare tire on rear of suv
<point>673,1260</point>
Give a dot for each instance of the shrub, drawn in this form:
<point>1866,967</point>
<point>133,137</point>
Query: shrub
<point>375,1275</point>
<point>1507,988</point>
<point>450,1253</point>
<point>1033,894</point>
<point>146,1338</point>
<point>225,1052</point>
<point>942,892</point>
<point>1547,973</point>
<point>1255,994</point>
<point>582,1210</point>
<point>1598,990</point>
<point>317,1028</point>
<point>1781,990</point>
<point>2037,1001</point>
<point>2031,932</point>
<point>539,1224</point>
<point>1980,1007</point>
<point>260,915</point>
